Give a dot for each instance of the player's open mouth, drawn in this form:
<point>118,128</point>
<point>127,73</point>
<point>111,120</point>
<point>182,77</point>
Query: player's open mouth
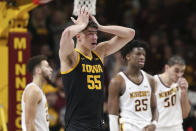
<point>94,43</point>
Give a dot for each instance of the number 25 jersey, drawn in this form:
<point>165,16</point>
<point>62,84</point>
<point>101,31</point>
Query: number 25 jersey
<point>135,102</point>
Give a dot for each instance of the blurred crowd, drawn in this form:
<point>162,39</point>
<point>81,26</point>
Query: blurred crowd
<point>168,26</point>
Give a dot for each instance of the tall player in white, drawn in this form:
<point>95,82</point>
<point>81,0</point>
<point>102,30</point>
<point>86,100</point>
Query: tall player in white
<point>173,103</point>
<point>34,103</point>
<point>132,93</point>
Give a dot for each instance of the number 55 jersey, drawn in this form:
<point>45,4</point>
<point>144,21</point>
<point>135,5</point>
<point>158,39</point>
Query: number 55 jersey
<point>135,108</point>
<point>169,106</point>
<point>84,91</point>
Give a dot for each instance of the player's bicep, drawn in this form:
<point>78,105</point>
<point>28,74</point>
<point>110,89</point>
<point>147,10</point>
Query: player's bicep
<point>32,98</point>
<point>113,97</point>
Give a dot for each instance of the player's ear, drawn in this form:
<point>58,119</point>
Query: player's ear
<point>37,70</point>
<point>128,57</point>
<point>78,36</point>
<point>166,67</point>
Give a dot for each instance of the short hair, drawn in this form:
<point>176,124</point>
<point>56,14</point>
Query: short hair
<point>133,44</point>
<point>35,61</point>
<point>92,24</point>
<point>176,60</point>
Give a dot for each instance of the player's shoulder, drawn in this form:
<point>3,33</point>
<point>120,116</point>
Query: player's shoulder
<point>32,90</point>
<point>149,76</point>
<point>117,79</point>
<point>69,61</point>
<point>151,79</point>
<point>117,84</point>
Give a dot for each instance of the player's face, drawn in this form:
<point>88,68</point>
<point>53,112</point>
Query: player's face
<point>137,57</point>
<point>89,38</point>
<point>175,72</point>
<point>46,70</point>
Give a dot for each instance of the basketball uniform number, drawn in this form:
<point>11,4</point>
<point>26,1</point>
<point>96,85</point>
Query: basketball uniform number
<point>141,105</point>
<point>170,101</point>
<point>94,82</point>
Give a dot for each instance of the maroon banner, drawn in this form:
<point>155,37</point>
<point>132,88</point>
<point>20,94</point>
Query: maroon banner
<point>19,53</point>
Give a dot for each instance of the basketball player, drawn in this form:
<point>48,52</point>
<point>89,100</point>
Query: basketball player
<point>173,104</point>
<point>82,69</point>
<point>132,93</point>
<point>34,104</point>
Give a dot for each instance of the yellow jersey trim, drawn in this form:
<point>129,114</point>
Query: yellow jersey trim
<point>87,57</point>
<point>98,56</point>
<point>66,72</point>
<point>122,127</point>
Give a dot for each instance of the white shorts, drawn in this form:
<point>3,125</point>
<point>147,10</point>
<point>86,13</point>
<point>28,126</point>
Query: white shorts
<point>130,127</point>
<point>173,128</point>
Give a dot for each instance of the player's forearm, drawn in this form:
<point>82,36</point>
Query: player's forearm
<point>71,31</point>
<point>118,31</point>
<point>66,42</point>
<point>154,110</point>
<point>155,114</point>
<point>185,104</point>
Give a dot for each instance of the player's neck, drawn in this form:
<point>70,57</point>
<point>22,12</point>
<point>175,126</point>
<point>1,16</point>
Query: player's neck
<point>83,50</point>
<point>165,79</point>
<point>39,81</point>
<point>133,71</point>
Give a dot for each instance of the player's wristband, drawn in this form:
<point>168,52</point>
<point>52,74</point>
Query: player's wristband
<point>113,122</point>
<point>154,122</point>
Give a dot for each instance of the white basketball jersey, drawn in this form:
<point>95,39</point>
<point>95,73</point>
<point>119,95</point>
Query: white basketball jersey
<point>135,105</point>
<point>168,105</point>
<point>41,118</point>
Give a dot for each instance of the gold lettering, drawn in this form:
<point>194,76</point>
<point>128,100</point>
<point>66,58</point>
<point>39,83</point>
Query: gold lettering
<point>168,93</point>
<point>100,69</point>
<point>88,68</point>
<point>20,56</point>
<point>20,82</point>
<point>96,69</point>
<point>19,95</point>
<point>18,109</point>
<point>93,69</point>
<point>18,122</point>
<point>139,94</point>
<point>20,69</point>
<point>20,43</point>
<point>83,68</point>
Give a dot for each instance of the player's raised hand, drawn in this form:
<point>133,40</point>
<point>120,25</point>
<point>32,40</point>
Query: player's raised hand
<point>95,20</point>
<point>83,17</point>
<point>183,84</point>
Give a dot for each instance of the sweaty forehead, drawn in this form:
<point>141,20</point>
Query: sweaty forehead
<point>90,29</point>
<point>44,63</point>
<point>138,49</point>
